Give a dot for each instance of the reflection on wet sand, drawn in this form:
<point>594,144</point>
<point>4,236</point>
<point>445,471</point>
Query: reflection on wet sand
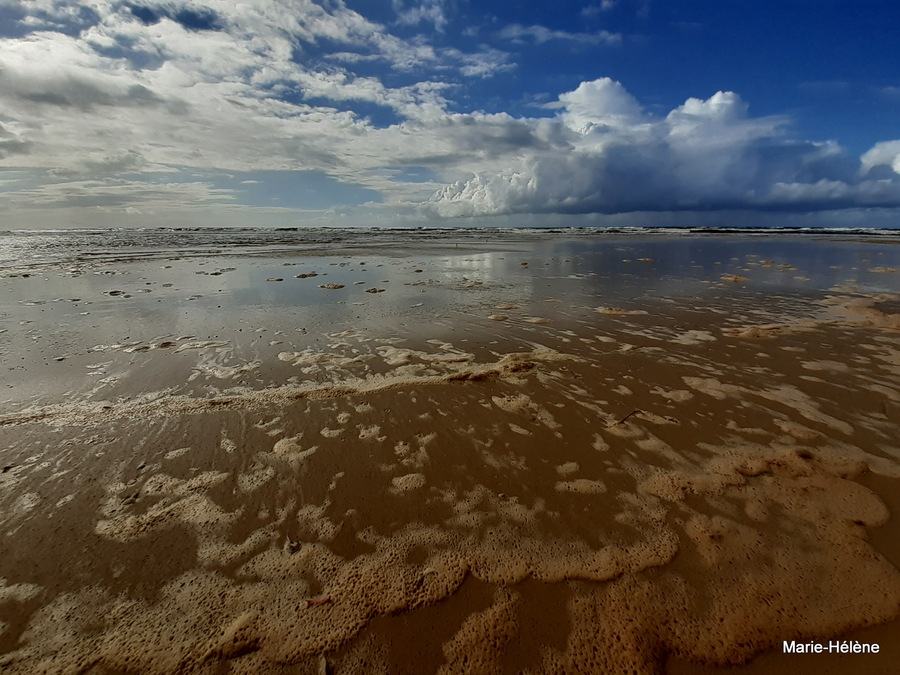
<point>596,483</point>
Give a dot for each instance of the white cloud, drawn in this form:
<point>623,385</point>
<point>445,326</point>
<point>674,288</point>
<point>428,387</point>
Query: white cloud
<point>705,154</point>
<point>427,11</point>
<point>486,62</point>
<point>210,97</point>
<point>598,104</point>
<point>541,34</point>
<point>420,101</point>
<point>886,153</point>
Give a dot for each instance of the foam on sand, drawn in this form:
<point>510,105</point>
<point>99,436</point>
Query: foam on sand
<point>457,368</point>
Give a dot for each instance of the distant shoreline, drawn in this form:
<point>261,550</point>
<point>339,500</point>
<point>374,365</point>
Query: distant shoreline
<point>24,251</point>
<point>587,230</point>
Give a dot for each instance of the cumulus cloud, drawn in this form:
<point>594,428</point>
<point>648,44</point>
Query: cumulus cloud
<point>884,154</point>
<point>703,155</point>
<point>598,104</point>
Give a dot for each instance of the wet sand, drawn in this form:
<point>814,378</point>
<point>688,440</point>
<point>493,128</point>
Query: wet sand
<point>548,456</point>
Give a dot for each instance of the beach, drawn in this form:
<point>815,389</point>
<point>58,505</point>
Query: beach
<point>455,452</point>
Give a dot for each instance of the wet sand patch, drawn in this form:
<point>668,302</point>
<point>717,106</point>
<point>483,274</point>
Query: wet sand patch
<point>480,496</point>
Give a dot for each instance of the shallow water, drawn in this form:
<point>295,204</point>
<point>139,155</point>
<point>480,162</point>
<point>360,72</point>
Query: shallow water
<point>61,321</point>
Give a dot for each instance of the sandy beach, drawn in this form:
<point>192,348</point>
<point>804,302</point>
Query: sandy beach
<point>458,454</point>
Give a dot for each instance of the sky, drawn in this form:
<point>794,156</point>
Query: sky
<point>177,113</point>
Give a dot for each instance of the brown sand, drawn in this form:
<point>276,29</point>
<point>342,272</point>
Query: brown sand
<point>634,489</point>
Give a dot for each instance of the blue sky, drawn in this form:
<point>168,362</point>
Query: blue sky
<point>449,112</point>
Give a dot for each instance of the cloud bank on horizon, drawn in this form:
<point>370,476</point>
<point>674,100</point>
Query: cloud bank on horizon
<point>293,112</point>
